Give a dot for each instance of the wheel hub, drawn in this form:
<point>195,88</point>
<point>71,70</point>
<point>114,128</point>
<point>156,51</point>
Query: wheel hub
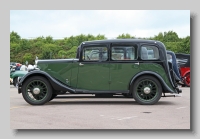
<point>36,91</point>
<point>147,90</point>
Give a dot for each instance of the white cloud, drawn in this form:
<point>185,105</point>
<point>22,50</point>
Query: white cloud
<point>110,23</point>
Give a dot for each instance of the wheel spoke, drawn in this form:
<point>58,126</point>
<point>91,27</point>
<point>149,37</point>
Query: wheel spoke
<point>147,84</point>
<point>39,85</point>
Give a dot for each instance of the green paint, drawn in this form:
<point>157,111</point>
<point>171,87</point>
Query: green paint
<point>121,75</point>
<point>99,76</point>
<point>93,76</point>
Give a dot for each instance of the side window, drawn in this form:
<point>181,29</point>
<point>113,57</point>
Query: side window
<point>169,57</point>
<point>95,53</point>
<point>149,52</point>
<point>123,53</point>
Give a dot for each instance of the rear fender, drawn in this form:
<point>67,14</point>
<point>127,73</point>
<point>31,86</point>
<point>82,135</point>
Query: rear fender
<point>166,88</point>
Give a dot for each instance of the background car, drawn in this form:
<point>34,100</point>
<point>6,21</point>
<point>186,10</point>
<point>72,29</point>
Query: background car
<point>171,57</point>
<point>14,74</point>
<point>183,61</point>
<point>17,74</point>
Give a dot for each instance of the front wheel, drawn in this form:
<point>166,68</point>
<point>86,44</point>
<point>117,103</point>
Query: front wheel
<point>147,90</point>
<point>37,90</point>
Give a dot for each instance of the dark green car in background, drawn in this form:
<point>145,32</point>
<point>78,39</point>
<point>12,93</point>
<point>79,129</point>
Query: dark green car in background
<point>119,66</point>
<point>15,74</point>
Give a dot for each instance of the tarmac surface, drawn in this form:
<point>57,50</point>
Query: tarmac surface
<point>87,112</point>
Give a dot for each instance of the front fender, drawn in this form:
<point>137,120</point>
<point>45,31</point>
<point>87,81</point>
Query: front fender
<point>18,74</point>
<point>54,83</point>
<point>166,88</point>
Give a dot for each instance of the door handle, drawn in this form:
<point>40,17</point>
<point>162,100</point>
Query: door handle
<point>81,64</point>
<point>137,63</point>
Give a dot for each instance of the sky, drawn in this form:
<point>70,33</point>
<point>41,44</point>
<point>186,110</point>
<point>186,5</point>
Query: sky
<point>111,23</point>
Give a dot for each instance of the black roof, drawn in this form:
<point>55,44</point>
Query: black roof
<point>121,41</point>
<point>183,59</point>
<point>182,55</point>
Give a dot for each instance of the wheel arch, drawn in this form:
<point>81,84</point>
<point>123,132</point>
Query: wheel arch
<point>56,85</point>
<point>186,73</point>
<point>165,87</point>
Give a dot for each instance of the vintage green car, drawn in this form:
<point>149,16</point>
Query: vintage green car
<point>119,66</point>
<point>15,74</point>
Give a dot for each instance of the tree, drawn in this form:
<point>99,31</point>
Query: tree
<point>125,36</point>
<point>49,39</point>
<point>170,36</point>
<point>14,37</point>
<point>50,51</point>
<point>160,37</point>
<point>72,52</point>
<point>28,57</point>
<point>100,37</point>
<point>46,47</point>
<point>185,45</point>
<point>24,44</point>
<point>62,54</point>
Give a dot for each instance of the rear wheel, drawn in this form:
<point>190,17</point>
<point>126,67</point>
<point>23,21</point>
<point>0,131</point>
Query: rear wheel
<point>36,90</point>
<point>147,90</point>
<point>187,80</point>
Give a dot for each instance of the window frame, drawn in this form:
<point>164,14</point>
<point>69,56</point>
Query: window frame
<point>135,46</point>
<point>93,45</point>
<point>149,45</point>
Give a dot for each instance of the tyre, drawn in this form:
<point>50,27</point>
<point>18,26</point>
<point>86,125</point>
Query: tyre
<point>36,90</point>
<point>53,96</point>
<point>147,90</point>
<point>187,80</point>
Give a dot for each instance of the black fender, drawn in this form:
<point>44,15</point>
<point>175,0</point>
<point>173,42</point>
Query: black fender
<point>166,88</point>
<point>54,83</point>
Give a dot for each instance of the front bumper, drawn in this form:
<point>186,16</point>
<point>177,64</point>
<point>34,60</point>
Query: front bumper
<point>19,86</point>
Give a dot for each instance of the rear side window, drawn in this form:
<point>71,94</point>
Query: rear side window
<point>149,52</point>
<point>169,57</point>
<point>123,53</point>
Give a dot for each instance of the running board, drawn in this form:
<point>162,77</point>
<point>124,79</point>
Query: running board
<point>174,95</point>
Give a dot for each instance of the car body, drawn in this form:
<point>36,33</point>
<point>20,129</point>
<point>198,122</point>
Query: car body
<point>183,61</point>
<point>15,74</point>
<point>172,58</point>
<point>126,69</point>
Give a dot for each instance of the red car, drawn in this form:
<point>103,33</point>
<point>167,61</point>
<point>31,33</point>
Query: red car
<point>183,61</point>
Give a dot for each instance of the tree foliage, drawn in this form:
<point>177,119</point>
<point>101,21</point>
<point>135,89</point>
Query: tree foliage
<point>22,50</point>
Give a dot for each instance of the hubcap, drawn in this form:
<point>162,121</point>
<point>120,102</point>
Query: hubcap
<point>147,90</point>
<point>36,91</point>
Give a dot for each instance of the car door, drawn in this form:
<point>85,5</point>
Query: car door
<point>93,71</point>
<point>123,65</point>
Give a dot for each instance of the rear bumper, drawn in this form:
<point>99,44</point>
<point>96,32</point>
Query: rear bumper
<point>178,90</point>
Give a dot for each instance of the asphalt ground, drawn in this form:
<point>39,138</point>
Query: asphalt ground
<point>87,112</point>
